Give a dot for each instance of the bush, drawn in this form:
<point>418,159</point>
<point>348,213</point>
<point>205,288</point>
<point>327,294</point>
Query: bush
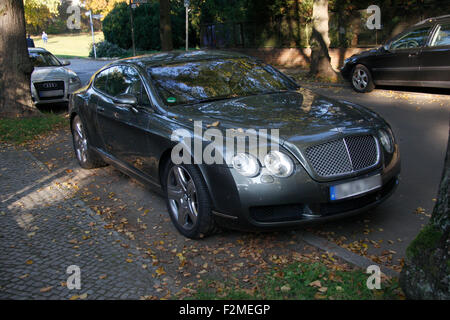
<point>107,49</point>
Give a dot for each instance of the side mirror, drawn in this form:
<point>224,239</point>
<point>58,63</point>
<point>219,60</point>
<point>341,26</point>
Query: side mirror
<point>125,99</point>
<point>386,47</point>
<point>65,62</point>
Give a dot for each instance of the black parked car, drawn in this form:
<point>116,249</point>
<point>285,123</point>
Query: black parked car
<point>419,56</point>
<point>331,159</point>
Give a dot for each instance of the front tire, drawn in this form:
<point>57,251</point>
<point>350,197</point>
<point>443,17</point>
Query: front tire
<point>362,79</point>
<point>85,156</point>
<point>188,201</point>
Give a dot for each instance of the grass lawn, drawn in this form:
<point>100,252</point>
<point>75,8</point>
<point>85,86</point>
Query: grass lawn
<point>19,131</point>
<point>303,281</point>
<point>69,45</point>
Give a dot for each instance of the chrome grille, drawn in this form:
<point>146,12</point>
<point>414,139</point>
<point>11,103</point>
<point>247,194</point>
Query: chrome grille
<point>343,156</point>
<point>363,151</point>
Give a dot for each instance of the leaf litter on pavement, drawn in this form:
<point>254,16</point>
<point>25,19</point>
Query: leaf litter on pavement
<point>181,265</point>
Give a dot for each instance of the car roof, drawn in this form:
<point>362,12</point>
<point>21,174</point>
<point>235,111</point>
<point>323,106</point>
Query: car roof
<point>433,20</point>
<point>37,50</point>
<point>172,57</point>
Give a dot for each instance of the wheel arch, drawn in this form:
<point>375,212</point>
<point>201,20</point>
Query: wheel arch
<point>165,157</point>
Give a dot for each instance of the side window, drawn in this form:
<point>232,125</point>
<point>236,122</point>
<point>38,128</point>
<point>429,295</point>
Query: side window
<point>100,80</point>
<point>442,36</point>
<point>413,39</point>
<point>117,81</point>
<point>136,86</point>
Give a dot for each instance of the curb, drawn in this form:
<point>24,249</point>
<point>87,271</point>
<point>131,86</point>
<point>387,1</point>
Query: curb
<point>324,84</point>
<point>347,255</point>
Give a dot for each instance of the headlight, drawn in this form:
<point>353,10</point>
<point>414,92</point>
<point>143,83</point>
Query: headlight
<point>74,80</point>
<point>246,164</point>
<point>387,140</point>
<point>279,164</point>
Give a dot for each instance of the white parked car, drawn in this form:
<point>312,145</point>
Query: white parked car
<point>51,81</point>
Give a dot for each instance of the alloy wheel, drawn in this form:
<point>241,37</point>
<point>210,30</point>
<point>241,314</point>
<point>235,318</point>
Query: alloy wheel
<point>182,196</point>
<point>80,140</point>
<point>360,79</point>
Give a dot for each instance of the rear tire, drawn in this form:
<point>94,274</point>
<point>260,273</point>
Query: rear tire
<point>85,156</point>
<point>188,201</point>
<point>362,79</point>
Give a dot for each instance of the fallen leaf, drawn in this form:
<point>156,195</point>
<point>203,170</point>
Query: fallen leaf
<point>285,288</point>
<point>46,289</point>
<point>316,284</point>
<point>160,271</point>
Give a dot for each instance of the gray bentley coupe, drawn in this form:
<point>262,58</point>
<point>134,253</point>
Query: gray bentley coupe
<point>316,158</point>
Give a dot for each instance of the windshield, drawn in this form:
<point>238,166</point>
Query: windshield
<point>201,81</point>
<point>44,59</point>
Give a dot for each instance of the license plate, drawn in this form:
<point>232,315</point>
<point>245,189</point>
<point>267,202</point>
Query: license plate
<point>354,188</point>
<point>52,93</point>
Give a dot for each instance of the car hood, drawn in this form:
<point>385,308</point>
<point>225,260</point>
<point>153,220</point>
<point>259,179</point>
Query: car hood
<point>366,53</point>
<point>50,73</point>
<point>300,115</point>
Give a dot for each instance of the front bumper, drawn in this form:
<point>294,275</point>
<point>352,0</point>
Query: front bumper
<point>346,71</point>
<point>69,88</point>
<point>251,204</point>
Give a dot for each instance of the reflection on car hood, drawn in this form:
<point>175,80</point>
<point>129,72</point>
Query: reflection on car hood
<point>49,73</point>
<point>298,115</point>
<point>366,53</point>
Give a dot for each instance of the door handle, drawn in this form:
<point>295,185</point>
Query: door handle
<point>100,109</point>
<point>413,54</point>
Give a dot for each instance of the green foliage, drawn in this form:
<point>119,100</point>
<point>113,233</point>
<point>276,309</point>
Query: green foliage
<point>23,130</point>
<point>294,282</point>
<point>38,13</point>
<point>117,29</point>
<point>107,49</point>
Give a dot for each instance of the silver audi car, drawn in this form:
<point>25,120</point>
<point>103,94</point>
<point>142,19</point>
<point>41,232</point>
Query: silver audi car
<point>51,81</point>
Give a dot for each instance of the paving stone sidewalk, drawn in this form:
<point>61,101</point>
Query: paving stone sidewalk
<point>44,230</point>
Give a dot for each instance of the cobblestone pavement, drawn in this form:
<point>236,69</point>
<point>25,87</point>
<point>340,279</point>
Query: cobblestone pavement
<point>44,229</point>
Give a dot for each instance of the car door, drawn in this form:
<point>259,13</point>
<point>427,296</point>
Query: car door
<point>123,128</point>
<point>435,58</point>
<point>399,62</point>
<point>90,112</point>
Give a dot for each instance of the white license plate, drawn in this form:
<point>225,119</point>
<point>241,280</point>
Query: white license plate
<point>354,188</point>
<point>52,93</point>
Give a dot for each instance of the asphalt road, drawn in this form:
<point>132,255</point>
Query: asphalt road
<point>420,120</point>
<point>86,68</point>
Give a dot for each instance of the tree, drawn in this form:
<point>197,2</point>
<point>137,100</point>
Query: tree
<point>320,42</point>
<point>426,274</point>
<point>39,12</point>
<point>101,6</point>
<point>165,25</point>
<point>15,65</point>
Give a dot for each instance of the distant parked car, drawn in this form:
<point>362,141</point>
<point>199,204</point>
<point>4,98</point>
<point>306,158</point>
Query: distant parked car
<point>332,159</point>
<point>51,82</point>
<point>419,56</point>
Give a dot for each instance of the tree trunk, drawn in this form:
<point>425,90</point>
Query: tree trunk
<point>165,25</point>
<point>426,273</point>
<point>320,58</point>
<point>15,65</point>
